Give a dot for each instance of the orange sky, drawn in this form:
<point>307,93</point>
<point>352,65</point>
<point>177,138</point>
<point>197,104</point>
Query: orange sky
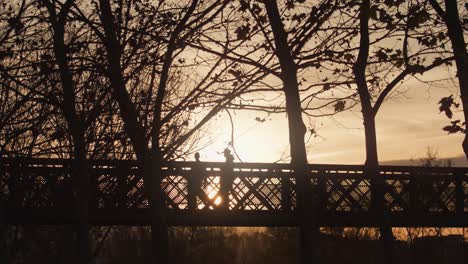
<point>406,127</point>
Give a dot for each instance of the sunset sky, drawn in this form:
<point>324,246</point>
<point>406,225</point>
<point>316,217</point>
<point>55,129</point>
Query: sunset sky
<point>406,127</point>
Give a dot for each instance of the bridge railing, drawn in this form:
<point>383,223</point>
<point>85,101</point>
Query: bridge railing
<point>189,186</point>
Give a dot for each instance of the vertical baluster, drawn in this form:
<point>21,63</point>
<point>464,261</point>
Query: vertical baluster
<point>122,171</point>
<point>191,193</point>
<point>225,183</point>
<point>322,192</point>
<point>17,181</point>
<point>459,193</point>
<point>94,176</point>
<point>67,191</point>
<point>413,193</point>
<point>376,187</point>
<point>286,189</point>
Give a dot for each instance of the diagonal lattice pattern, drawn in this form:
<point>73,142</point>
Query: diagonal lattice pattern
<point>397,195</point>
<point>175,190</point>
<point>464,186</point>
<point>436,196</point>
<point>341,189</point>
<point>349,195</point>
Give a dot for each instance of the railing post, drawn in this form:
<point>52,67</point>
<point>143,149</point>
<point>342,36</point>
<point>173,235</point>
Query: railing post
<point>322,192</point>
<point>191,193</point>
<point>225,184</point>
<point>16,184</point>
<point>459,192</point>
<point>377,184</point>
<point>94,181</point>
<point>413,193</point>
<point>286,194</point>
<point>122,173</point>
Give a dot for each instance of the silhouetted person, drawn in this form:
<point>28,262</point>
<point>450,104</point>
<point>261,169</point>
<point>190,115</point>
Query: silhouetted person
<point>195,185</point>
<point>226,179</point>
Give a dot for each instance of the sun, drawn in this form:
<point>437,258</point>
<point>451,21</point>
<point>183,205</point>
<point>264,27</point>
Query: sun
<point>252,141</point>
<point>213,193</point>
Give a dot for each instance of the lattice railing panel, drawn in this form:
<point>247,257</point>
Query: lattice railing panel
<point>108,194</point>
<point>255,187</point>
<point>293,195</point>
<point>436,196</point>
<point>33,187</point>
<point>465,192</point>
<point>37,191</point>
<point>348,195</point>
<point>271,189</point>
<point>397,195</point>
<point>175,188</point>
<point>254,193</point>
<point>242,198</point>
<point>135,192</point>
<point>119,188</point>
<point>210,188</point>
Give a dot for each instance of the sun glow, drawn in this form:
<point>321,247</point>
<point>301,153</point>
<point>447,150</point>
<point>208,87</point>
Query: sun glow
<point>250,141</point>
<point>218,200</point>
<point>213,193</point>
<point>340,138</point>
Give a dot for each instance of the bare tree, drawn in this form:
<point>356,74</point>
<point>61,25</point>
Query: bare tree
<point>152,124</point>
<point>372,162</point>
<point>46,87</point>
<point>309,232</point>
<point>76,128</point>
<point>410,65</point>
<point>282,51</point>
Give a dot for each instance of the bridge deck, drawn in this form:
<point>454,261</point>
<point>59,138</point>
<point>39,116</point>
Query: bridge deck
<point>37,191</point>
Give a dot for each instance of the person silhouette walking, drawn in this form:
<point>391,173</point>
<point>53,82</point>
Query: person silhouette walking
<point>226,179</point>
<point>195,182</point>
<point>195,186</point>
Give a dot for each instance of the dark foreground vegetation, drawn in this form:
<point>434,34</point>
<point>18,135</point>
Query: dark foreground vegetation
<point>239,245</point>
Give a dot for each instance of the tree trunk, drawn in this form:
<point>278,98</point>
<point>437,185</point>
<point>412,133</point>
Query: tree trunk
<point>82,189</point>
<point>309,232</point>
<point>371,168</point>
<point>151,165</point>
<point>159,227</point>
<point>159,223</point>
<point>372,162</point>
<point>80,175</point>
<point>455,33</point>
